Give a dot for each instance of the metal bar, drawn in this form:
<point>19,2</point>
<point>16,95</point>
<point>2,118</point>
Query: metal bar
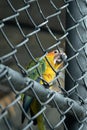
<point>21,84</point>
<point>77,65</point>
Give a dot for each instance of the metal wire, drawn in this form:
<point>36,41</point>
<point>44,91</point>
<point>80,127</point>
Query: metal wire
<point>22,25</point>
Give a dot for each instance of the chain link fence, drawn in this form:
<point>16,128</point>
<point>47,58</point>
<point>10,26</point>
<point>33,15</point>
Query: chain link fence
<point>30,29</point>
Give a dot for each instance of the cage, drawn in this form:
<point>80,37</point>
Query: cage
<point>30,30</point>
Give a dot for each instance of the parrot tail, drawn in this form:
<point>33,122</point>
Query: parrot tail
<point>35,107</point>
<point>41,123</point>
<point>26,105</point>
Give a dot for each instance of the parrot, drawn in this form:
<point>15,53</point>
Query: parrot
<point>56,60</point>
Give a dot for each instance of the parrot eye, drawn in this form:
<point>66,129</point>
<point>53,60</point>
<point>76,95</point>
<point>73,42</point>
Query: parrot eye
<point>55,51</point>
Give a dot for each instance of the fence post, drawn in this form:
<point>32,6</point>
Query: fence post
<point>76,18</point>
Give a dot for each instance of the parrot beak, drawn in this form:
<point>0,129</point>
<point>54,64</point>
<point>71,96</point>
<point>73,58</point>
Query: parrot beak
<point>63,56</point>
<point>60,57</point>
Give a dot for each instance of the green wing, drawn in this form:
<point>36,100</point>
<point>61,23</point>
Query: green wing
<point>34,73</point>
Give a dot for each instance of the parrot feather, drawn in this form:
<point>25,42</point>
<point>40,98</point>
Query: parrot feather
<point>55,59</point>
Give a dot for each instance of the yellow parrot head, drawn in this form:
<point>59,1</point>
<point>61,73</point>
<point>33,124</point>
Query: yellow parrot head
<point>56,58</point>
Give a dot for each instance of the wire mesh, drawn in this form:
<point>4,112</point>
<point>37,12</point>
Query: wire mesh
<point>31,29</point>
